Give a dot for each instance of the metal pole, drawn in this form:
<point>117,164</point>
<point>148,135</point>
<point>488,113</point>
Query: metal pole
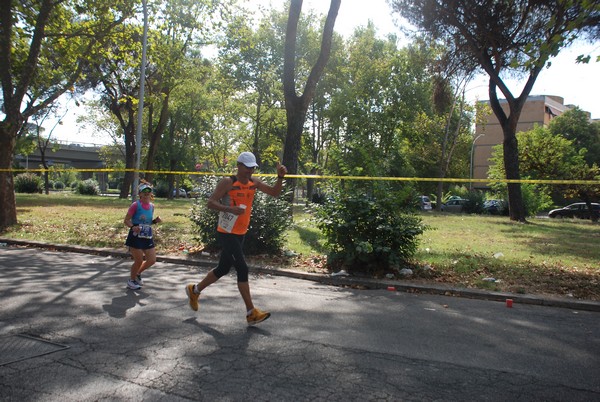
<point>138,133</point>
<point>471,170</point>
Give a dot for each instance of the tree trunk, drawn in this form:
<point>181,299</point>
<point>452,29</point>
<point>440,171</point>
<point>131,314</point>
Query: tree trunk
<point>155,135</point>
<point>439,195</point>
<point>8,136</point>
<point>46,179</point>
<point>295,125</point>
<point>511,166</point>
<point>296,106</point>
<point>510,143</point>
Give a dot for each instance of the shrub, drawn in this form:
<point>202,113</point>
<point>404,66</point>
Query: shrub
<point>88,187</point>
<point>28,183</point>
<point>161,190</point>
<point>59,185</point>
<point>270,220</point>
<point>364,233</point>
<point>474,204</point>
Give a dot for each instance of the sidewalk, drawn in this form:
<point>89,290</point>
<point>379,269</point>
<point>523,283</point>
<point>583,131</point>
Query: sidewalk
<point>398,285</point>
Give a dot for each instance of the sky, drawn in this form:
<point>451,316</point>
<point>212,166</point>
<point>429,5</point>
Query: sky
<point>577,84</point>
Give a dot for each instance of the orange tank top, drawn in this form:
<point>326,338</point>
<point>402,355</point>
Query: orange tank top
<point>240,194</point>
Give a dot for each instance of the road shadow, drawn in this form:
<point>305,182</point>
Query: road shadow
<point>119,305</point>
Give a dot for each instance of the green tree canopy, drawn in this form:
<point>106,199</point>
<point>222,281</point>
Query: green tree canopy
<point>576,126</point>
<point>504,38</point>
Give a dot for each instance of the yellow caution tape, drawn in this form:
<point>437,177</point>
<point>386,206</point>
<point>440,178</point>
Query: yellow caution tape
<point>319,177</point>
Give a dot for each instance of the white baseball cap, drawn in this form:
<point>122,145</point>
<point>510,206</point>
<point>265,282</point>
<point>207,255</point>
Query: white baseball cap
<point>248,159</point>
<point>144,186</point>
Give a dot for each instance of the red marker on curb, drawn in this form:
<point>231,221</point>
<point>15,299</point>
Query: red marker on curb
<point>509,303</point>
<point>391,288</point>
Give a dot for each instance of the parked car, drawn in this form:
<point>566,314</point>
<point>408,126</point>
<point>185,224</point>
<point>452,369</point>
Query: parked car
<point>495,207</point>
<point>182,193</point>
<point>425,203</point>
<point>576,210</point>
<point>455,205</point>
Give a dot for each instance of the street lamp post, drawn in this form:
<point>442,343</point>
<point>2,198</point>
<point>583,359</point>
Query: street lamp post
<point>472,152</point>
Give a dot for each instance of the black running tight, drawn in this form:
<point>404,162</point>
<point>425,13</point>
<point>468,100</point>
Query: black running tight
<point>231,255</point>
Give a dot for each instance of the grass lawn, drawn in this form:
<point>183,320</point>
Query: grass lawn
<point>549,256</point>
<point>546,256</point>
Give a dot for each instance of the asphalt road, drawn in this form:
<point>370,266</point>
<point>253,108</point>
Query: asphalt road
<point>322,343</point>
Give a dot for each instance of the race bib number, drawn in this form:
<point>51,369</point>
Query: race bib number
<point>145,232</point>
<point>227,220</point>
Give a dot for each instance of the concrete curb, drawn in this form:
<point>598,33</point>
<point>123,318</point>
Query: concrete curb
<point>350,281</point>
